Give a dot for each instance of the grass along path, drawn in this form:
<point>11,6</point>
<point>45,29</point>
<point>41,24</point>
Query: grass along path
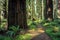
<point>38,34</point>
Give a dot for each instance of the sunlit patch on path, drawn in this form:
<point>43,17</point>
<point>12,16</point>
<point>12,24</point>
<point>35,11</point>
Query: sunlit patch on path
<point>38,34</point>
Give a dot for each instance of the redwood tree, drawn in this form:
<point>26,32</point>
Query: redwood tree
<point>12,12</point>
<point>22,20</point>
<point>17,13</point>
<point>49,9</point>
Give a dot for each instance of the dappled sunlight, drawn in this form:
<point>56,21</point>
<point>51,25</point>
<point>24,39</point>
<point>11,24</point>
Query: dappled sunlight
<point>56,29</point>
<point>58,15</point>
<point>23,37</point>
<point>49,19</point>
<point>49,9</point>
<point>36,32</point>
<point>29,20</point>
<point>41,30</point>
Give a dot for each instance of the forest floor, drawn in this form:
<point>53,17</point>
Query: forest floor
<point>38,34</point>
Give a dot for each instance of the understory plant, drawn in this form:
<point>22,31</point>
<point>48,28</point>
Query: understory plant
<point>13,30</point>
<point>52,28</point>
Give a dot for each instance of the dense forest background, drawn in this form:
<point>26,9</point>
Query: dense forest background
<point>20,17</point>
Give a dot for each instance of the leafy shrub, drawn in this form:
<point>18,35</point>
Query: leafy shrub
<point>52,29</point>
<point>23,37</point>
<point>3,24</point>
<point>14,28</point>
<point>12,31</point>
<point>32,25</point>
<point>5,38</point>
<point>56,29</point>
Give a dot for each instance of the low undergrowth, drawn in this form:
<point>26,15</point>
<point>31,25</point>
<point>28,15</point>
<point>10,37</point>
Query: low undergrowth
<point>14,33</point>
<point>52,28</point>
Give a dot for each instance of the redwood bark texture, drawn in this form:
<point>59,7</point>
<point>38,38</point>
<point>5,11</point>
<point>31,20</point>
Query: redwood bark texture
<point>17,13</point>
<point>49,9</point>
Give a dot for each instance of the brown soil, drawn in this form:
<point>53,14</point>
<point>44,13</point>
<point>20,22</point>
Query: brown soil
<point>39,34</point>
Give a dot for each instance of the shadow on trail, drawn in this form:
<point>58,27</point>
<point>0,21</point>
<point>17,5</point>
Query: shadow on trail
<point>42,36</point>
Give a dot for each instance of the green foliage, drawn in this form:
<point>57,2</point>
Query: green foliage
<point>2,26</point>
<point>2,6</point>
<point>5,38</point>
<point>23,37</point>
<point>56,29</point>
<point>11,33</point>
<point>54,36</point>
<point>52,28</point>
<point>32,25</point>
<point>13,30</point>
<point>51,23</point>
<point>18,37</point>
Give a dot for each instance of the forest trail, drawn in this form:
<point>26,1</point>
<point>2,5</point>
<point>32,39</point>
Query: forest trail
<point>39,34</point>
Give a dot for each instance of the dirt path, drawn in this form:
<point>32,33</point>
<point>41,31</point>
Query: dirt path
<point>42,36</point>
<point>38,34</point>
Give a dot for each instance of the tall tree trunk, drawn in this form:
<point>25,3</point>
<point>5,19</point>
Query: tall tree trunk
<point>11,12</point>
<point>17,13</point>
<point>55,2</point>
<point>5,9</point>
<point>49,10</point>
<point>22,20</point>
<point>58,14</point>
<point>42,9</point>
